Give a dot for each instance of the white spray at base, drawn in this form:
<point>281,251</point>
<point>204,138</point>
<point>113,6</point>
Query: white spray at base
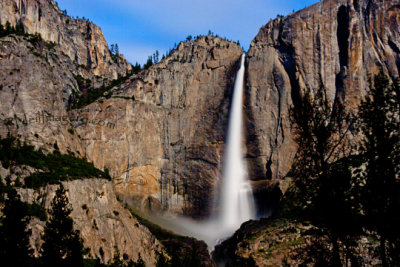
<point>234,201</point>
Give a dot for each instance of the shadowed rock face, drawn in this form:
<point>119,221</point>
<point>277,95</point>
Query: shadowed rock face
<point>334,44</point>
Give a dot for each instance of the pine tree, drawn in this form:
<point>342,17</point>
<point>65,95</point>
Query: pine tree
<point>136,68</point>
<point>62,245</point>
<point>148,63</point>
<point>156,56</point>
<point>380,123</point>
<point>322,173</point>
<point>14,242</point>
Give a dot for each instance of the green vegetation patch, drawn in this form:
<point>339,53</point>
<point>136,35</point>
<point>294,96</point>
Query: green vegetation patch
<point>36,210</point>
<point>54,167</point>
<point>89,94</point>
<point>159,232</point>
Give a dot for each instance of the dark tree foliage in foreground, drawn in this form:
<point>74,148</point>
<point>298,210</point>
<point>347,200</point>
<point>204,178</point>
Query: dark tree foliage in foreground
<point>323,187</point>
<point>346,195</point>
<point>14,235</point>
<point>380,124</point>
<point>62,244</point>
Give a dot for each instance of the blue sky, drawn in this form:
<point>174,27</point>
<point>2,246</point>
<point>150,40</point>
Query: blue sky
<point>142,26</point>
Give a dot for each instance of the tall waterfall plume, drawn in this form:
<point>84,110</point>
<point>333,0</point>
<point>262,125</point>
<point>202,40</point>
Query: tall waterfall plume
<point>234,203</point>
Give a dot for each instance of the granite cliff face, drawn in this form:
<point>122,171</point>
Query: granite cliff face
<point>79,39</point>
<point>39,74</point>
<point>102,221</point>
<point>333,44</point>
<point>162,147</point>
<point>165,150</point>
<point>160,133</point>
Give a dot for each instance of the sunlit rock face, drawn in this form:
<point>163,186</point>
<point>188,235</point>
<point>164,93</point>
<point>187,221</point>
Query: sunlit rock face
<point>162,132</point>
<point>79,39</point>
<point>333,44</point>
<point>165,151</point>
<point>103,223</point>
<point>39,78</point>
<point>163,146</point>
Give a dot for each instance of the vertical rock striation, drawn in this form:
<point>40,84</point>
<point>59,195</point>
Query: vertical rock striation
<point>333,44</point>
<point>165,149</point>
<point>160,133</point>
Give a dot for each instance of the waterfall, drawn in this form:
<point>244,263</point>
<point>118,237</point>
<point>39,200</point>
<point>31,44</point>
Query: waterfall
<point>236,204</point>
<point>234,200</point>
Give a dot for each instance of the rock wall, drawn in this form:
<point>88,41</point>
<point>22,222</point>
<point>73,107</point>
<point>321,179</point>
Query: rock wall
<point>80,39</point>
<point>333,44</point>
<point>36,81</point>
<point>161,133</point>
<point>102,221</point>
<point>165,150</point>
<point>37,78</point>
<point>163,146</point>
<point>281,242</point>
